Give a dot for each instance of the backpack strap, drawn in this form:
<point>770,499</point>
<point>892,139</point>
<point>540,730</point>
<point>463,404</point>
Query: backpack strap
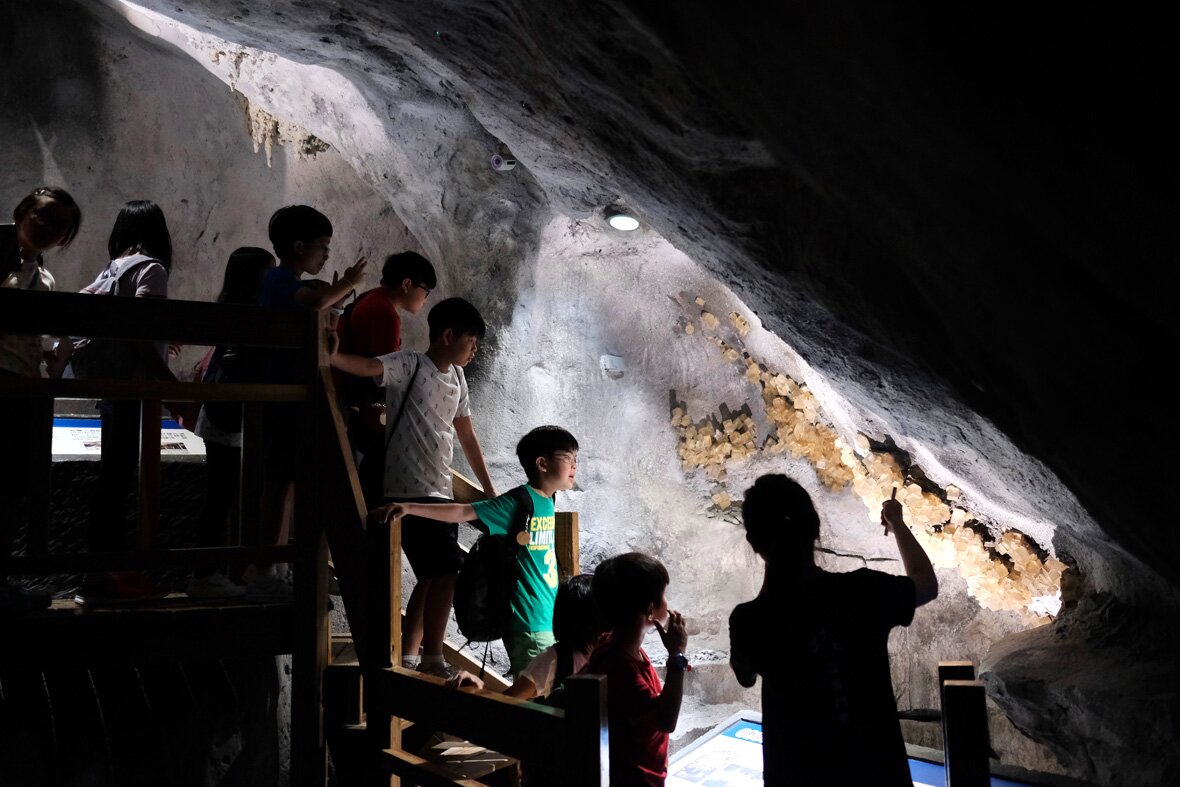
<point>133,266</point>
<point>524,511</point>
<point>346,323</point>
<point>401,409</point>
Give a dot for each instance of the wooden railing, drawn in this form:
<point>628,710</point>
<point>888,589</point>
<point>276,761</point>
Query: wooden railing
<point>329,512</point>
<point>68,314</point>
<point>384,711</point>
<point>298,331</point>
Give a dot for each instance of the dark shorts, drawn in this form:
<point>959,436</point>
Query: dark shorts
<point>432,547</point>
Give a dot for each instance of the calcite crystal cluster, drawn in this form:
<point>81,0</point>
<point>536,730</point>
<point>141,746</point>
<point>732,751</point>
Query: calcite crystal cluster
<point>1008,573</point>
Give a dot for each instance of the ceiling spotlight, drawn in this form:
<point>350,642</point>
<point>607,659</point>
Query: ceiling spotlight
<point>621,219</point>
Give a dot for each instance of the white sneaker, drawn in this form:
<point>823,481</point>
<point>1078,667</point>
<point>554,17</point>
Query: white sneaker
<point>215,585</point>
<point>270,588</point>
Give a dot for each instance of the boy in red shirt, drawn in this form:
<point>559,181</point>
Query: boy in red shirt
<point>629,590</point>
<point>372,327</point>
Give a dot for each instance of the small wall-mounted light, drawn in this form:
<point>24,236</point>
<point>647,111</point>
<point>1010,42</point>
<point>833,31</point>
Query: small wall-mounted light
<point>621,219</point>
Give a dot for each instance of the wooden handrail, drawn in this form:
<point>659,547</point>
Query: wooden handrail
<point>146,559</point>
<point>574,739</point>
<point>153,319</point>
<point>151,390</point>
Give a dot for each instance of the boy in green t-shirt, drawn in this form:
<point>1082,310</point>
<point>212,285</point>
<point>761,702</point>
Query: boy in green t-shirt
<point>549,456</point>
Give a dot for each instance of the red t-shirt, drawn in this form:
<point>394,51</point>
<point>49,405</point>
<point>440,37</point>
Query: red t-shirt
<point>373,329</point>
<point>638,748</point>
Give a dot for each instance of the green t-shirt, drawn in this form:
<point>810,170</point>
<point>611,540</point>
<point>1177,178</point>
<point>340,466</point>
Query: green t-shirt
<point>532,603</point>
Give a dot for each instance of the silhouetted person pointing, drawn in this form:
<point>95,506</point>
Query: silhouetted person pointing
<point>818,639</point>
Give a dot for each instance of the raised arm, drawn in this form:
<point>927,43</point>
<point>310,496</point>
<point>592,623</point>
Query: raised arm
<point>441,512</point>
<point>675,638</point>
<point>357,364</point>
<point>322,297</point>
<point>465,431</point>
<point>913,557</point>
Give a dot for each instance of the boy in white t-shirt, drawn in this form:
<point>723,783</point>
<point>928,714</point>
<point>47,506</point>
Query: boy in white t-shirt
<point>419,450</point>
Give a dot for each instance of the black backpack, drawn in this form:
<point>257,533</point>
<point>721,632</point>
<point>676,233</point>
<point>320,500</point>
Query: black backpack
<point>487,581</point>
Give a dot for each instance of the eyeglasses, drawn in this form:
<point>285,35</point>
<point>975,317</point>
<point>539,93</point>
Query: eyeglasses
<point>425,289</point>
<point>567,457</point>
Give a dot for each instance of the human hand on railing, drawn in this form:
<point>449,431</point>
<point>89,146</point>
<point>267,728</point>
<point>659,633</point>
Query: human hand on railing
<point>464,679</point>
<point>388,512</point>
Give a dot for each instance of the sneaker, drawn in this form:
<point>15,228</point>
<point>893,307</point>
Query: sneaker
<point>270,588</point>
<point>444,671</point>
<point>117,587</point>
<point>215,585</point>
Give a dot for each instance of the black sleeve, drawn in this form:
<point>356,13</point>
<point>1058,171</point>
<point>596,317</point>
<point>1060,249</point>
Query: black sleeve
<point>744,650</point>
<point>888,600</point>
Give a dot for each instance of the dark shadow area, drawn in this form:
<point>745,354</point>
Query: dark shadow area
<point>50,70</point>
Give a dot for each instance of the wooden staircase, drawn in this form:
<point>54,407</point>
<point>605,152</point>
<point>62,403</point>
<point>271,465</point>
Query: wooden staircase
<point>327,701</point>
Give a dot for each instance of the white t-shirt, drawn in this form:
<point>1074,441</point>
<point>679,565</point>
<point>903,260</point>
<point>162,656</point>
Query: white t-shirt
<point>418,463</point>
<point>21,353</point>
<point>543,669</point>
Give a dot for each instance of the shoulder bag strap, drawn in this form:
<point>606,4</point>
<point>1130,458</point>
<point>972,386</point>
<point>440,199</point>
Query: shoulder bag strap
<point>405,398</point>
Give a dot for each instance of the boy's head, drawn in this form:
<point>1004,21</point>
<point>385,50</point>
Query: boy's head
<point>455,329</point>
<point>780,520</point>
<point>549,454</point>
<point>410,277</point>
<point>300,236</point>
<point>628,588</point>
<point>576,622</point>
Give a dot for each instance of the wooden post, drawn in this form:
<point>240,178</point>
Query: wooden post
<point>309,658</point>
<point>951,670</point>
<point>149,472</point>
<point>567,544</point>
<point>40,472</point>
<point>965,747</point>
<point>587,731</point>
<point>382,728</point>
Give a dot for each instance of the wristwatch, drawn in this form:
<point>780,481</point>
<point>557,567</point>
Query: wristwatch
<point>680,662</point>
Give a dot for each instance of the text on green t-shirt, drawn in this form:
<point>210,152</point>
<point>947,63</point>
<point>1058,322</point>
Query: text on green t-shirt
<point>532,603</point>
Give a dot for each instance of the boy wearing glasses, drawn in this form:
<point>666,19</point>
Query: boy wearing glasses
<point>549,456</point>
<point>427,408</point>
<point>372,327</point>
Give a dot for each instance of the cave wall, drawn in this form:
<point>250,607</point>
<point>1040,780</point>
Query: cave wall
<point>866,272</point>
<point>122,117</point>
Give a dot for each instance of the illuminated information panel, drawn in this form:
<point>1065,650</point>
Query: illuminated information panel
<point>81,438</point>
<point>730,755</point>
